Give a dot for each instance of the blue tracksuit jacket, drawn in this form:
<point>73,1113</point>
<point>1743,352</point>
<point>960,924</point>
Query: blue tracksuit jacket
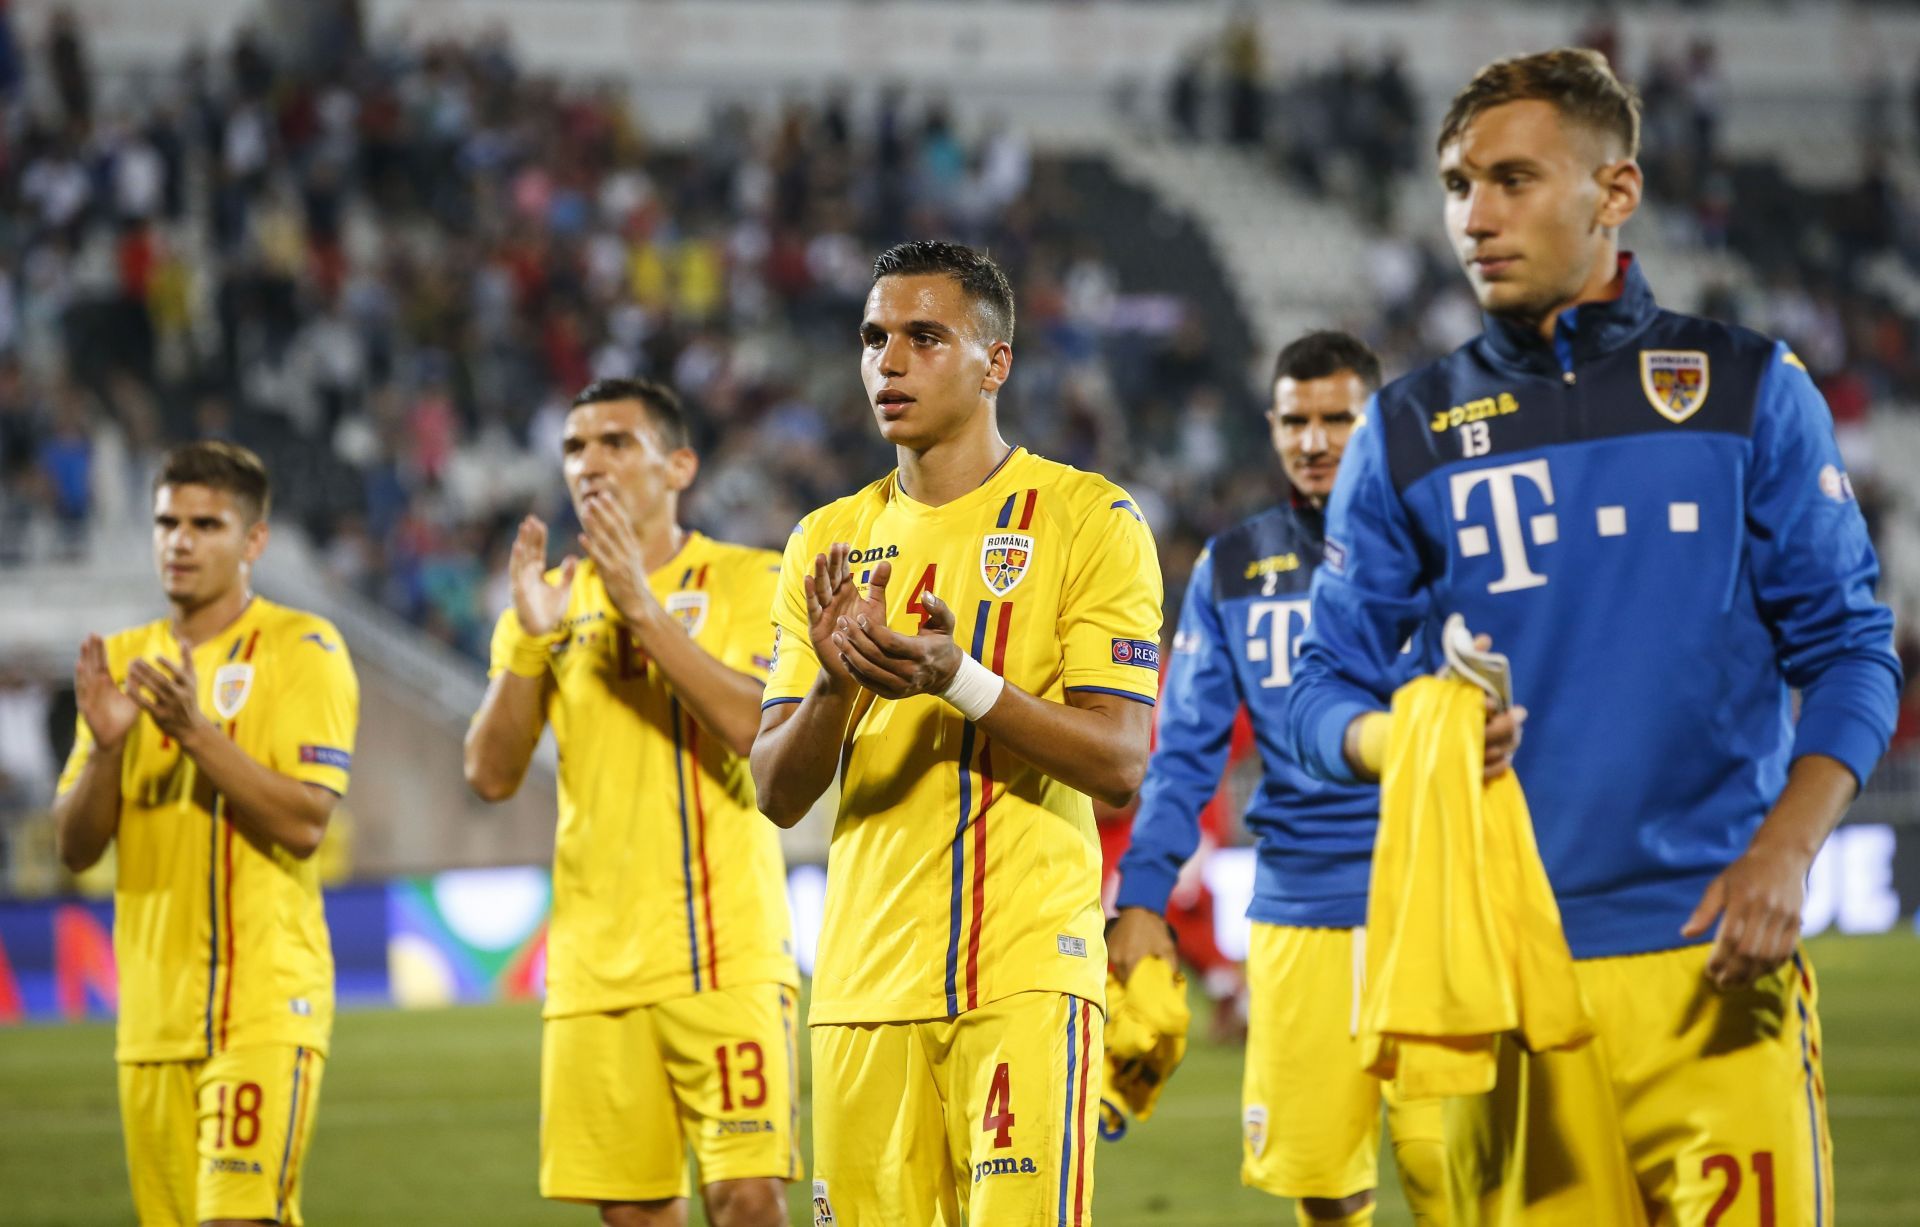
<point>1649,515</point>
<point>1240,626</point>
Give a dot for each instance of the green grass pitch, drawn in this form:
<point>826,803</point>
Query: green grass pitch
<point>429,1117</point>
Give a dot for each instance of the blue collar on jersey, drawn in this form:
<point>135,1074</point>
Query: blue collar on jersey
<point>1581,335</point>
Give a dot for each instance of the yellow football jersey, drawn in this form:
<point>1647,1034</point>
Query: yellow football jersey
<point>958,874</point>
<point>220,939</point>
<point>666,879</point>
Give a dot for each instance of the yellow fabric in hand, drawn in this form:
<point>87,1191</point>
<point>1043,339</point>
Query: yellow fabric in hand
<point>1376,733</point>
<point>1147,1020</point>
<point>1463,935</point>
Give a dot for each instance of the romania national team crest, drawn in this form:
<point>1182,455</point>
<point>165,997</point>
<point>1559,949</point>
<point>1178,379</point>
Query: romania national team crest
<point>1675,381</point>
<point>232,683</point>
<point>1004,559</point>
<point>1255,1122</point>
<point>689,609</point>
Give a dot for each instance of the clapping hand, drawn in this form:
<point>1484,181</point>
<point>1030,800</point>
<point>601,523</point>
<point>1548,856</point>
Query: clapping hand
<point>833,597</point>
<point>169,692</point>
<point>610,541</point>
<point>107,709</point>
<point>892,665</point>
<point>538,602</point>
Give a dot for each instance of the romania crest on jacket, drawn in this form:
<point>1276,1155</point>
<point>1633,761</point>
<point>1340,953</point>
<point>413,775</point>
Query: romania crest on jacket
<point>1675,381</point>
<point>1003,560</point>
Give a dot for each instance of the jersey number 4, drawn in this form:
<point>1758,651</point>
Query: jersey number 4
<point>917,606</point>
<point>999,1116</point>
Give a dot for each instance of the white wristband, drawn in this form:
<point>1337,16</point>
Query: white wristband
<point>974,688</point>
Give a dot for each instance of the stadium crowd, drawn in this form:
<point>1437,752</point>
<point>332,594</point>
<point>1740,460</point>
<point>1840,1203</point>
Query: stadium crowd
<point>388,271</point>
<point>388,268</point>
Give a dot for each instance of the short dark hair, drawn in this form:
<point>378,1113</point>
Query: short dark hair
<point>978,275</point>
<point>1576,80</point>
<point>219,466</point>
<point>664,410</point>
<point>1325,352</point>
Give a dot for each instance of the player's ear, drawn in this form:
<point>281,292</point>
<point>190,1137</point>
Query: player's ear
<point>999,366</point>
<point>256,540</point>
<point>1620,183</point>
<point>682,464</point>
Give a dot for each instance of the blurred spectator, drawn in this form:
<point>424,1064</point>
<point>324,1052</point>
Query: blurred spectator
<point>1706,95</point>
<point>66,469</point>
<point>27,766</point>
<point>1184,95</point>
<point>10,71</point>
<point>1246,68</point>
<point>67,64</point>
<point>1351,127</point>
<point>1602,33</point>
<point>1913,106</point>
<point>22,436</point>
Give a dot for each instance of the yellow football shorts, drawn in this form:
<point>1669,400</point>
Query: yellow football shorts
<point>995,1111</point>
<point>222,1138</point>
<point>624,1095</point>
<point>1310,1114</point>
<point>1690,1106</point>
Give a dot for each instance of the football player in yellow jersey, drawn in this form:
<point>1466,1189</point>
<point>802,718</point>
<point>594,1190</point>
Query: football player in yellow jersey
<point>670,1013</point>
<point>212,747</point>
<point>972,642</point>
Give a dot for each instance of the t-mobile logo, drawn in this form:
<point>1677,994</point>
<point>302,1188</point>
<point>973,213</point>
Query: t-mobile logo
<point>1501,482</point>
<point>1273,637</point>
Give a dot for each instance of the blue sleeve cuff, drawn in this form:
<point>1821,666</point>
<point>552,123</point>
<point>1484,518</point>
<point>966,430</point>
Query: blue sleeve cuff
<point>1135,695</point>
<point>1145,884</point>
<point>1856,741</point>
<point>1330,742</point>
<point>1849,712</point>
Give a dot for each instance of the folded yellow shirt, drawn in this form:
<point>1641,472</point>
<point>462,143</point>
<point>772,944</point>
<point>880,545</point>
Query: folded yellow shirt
<point>1463,935</point>
<point>1147,1019</point>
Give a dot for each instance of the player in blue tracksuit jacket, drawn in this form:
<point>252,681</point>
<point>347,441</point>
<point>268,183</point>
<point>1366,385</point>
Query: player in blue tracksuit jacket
<point>1312,1116</point>
<point>1647,512</point>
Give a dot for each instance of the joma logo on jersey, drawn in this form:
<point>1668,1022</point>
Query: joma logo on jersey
<point>1474,411</point>
<point>234,1167</point>
<point>1675,380</point>
<point>1004,558</point>
<point>1003,1167</point>
<point>1272,564</point>
<point>878,552</point>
